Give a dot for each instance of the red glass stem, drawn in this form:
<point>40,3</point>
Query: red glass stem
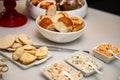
<point>10,17</point>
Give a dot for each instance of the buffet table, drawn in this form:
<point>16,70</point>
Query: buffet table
<point>102,27</point>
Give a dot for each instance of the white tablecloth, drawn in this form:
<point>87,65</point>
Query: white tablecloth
<point>102,27</point>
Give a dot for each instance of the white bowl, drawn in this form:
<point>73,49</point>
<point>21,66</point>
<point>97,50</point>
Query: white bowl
<point>34,11</point>
<point>86,71</point>
<point>103,57</point>
<point>60,37</point>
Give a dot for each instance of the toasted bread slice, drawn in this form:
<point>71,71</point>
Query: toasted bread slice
<point>60,26</point>
<point>45,22</point>
<point>64,24</point>
<point>51,11</point>
<point>64,14</point>
<point>66,20</point>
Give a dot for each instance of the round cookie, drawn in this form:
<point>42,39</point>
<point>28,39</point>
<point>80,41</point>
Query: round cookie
<point>7,41</point>
<point>25,39</point>
<point>41,53</point>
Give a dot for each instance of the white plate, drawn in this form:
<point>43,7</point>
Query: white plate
<point>37,62</point>
<point>49,77</point>
<point>99,63</point>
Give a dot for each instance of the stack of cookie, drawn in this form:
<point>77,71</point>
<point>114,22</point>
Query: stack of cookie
<point>22,48</point>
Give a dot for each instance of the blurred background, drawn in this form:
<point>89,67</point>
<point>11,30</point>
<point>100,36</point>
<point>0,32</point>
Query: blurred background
<point>112,6</point>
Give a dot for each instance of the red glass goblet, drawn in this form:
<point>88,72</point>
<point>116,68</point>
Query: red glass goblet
<point>10,17</point>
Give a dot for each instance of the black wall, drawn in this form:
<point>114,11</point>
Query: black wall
<point>112,6</point>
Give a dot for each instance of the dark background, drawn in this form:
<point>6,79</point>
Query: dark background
<point>111,6</point>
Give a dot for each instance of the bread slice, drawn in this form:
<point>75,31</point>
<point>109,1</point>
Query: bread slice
<point>63,13</point>
<point>60,26</point>
<point>66,20</point>
<point>51,11</point>
<point>51,27</point>
<point>45,22</point>
<point>56,17</point>
<point>64,24</point>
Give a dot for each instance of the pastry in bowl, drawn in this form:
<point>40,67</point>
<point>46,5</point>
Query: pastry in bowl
<point>60,21</point>
<point>45,23</point>
<point>60,27</point>
<point>64,24</point>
